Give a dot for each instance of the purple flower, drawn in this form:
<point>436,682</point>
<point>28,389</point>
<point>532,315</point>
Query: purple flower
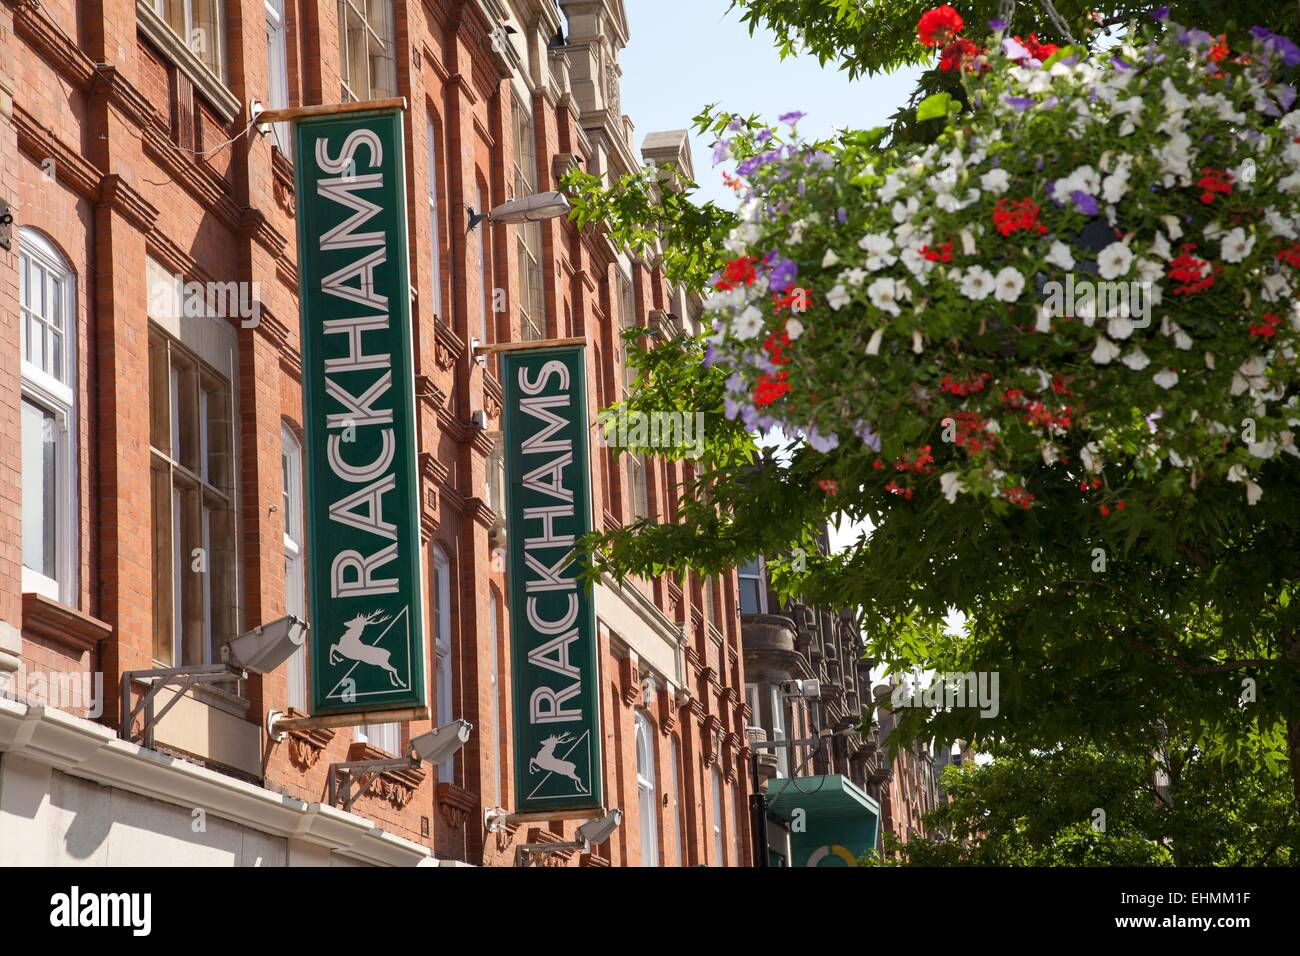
<point>1119,63</point>
<point>1277,44</point>
<point>1084,203</point>
<point>764,136</point>
<point>841,216</point>
<point>784,272</point>
<point>1019,103</point>
<point>996,25</point>
<point>1013,49</point>
<point>710,355</point>
<point>1160,14</point>
<point>721,151</point>
<point>869,438</point>
<point>792,118</point>
<point>822,443</point>
<point>1285,95</point>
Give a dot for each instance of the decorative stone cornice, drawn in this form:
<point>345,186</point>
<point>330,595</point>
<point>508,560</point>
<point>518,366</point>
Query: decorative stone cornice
<point>116,194</point>
<point>629,678</point>
<point>62,625</point>
<point>432,474</point>
<point>493,396</point>
<point>709,739</point>
<point>306,746</point>
<point>68,165</point>
<point>448,346</point>
<point>667,710</point>
<point>429,393</point>
<point>253,224</point>
<point>455,804</point>
<point>478,511</point>
<point>398,787</point>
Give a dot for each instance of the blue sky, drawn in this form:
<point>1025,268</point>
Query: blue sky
<point>685,54</point>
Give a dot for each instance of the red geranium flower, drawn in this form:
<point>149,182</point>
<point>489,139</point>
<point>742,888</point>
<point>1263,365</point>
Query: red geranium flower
<point>939,25</point>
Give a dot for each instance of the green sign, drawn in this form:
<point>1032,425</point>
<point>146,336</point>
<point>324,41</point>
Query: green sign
<point>363,531</point>
<point>833,822</point>
<point>555,672</point>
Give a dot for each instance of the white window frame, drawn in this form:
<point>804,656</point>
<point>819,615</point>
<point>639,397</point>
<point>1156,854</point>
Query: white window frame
<point>435,229</point>
<point>385,737</point>
<point>647,794</point>
<point>295,601</point>
<point>354,91</point>
<point>778,729</point>
<point>186,38</point>
<point>277,62</point>
<point>56,395</point>
<point>743,574</point>
<point>442,648</point>
<point>532,277</point>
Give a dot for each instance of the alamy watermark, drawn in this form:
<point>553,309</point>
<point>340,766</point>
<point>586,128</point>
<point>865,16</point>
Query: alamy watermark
<point>175,298</point>
<point>71,691</point>
<point>1091,299</point>
<point>663,430</point>
<point>972,689</point>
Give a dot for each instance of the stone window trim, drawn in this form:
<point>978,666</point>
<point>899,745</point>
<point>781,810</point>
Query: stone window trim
<point>209,86</point>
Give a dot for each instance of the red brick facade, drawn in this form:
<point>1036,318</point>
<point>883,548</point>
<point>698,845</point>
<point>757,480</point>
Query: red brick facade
<point>113,149</point>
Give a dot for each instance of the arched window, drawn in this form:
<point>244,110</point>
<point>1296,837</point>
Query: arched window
<point>442,646</point>
<point>646,795</point>
<point>47,306</point>
<point>294,559</point>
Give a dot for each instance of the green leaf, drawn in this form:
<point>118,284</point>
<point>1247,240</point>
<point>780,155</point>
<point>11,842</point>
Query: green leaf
<point>934,107</point>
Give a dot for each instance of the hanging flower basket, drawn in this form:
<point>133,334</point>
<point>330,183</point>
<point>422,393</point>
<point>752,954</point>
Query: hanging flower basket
<point>1092,265</point>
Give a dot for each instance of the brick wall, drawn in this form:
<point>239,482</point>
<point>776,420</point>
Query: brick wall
<point>129,181</point>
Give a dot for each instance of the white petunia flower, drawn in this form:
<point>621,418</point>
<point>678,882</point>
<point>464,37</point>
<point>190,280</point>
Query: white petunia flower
<point>951,484</point>
<point>996,181</point>
<point>1137,360</point>
<point>748,324</point>
<point>1263,449</point>
<point>830,259</point>
<point>1060,255</point>
<point>1115,260</point>
<point>1119,327</point>
<point>873,344</point>
<point>1105,351</point>
<point>876,243</point>
<point>1010,283</point>
<point>1236,245</point>
<point>854,276</point>
<point>837,297</point>
<point>884,295</point>
<point>794,329</point>
<point>1166,378</point>
<point>977,283</point>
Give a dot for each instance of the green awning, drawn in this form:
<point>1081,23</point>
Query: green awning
<point>833,822</point>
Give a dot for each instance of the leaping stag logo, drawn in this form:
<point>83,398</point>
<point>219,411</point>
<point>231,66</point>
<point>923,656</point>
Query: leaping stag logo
<point>349,646</point>
<point>546,760</point>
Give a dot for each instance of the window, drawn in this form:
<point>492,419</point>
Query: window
<point>778,729</point>
<point>532,305</point>
<point>717,815</point>
<point>710,611</point>
<point>627,320</point>
<point>494,639</point>
<point>385,737</point>
<point>294,560</point>
<point>191,443</point>
<point>496,476</point>
<point>435,230</point>
<point>484,270</point>
<point>200,25</point>
<point>638,485</point>
<point>676,801</point>
<point>442,647</point>
<point>751,698</point>
<point>46,303</point>
<point>753,587</point>
<point>367,50</point>
<point>277,69</point>
<point>647,798</point>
